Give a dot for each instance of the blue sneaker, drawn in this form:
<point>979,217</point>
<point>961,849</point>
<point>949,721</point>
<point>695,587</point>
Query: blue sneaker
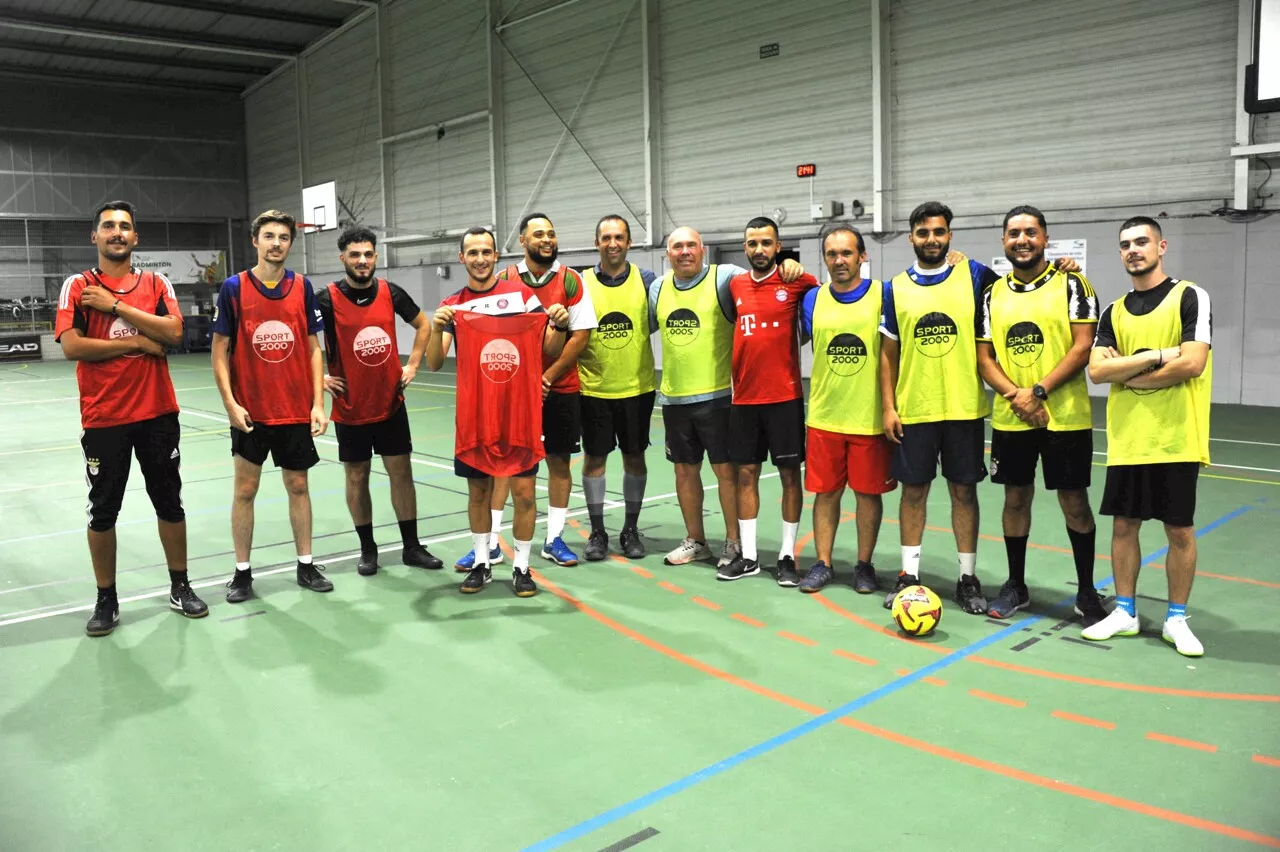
<point>558,552</point>
<point>466,563</point>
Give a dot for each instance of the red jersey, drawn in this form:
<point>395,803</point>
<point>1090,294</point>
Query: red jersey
<point>565,287</point>
<point>367,357</point>
<point>499,404</point>
<point>128,388</point>
<point>766,348</point>
<point>271,362</point>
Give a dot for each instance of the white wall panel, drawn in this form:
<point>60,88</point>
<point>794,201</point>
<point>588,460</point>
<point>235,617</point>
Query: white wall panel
<point>436,62</point>
<point>271,136</point>
<point>1260,380</point>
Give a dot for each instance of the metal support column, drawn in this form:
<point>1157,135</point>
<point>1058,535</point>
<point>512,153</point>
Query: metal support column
<point>881,110</point>
<point>1244,134</point>
<point>304,146</point>
<point>497,122</point>
<point>650,46</point>
<point>385,187</point>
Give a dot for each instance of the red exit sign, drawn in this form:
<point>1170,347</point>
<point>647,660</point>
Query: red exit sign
<point>806,170</point>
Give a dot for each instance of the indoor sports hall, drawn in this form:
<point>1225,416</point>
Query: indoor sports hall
<point>629,704</point>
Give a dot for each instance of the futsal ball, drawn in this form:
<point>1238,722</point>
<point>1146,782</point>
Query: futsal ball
<point>917,610</point>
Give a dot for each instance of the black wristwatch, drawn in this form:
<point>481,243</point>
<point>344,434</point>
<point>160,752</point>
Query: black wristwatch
<point>1039,392</point>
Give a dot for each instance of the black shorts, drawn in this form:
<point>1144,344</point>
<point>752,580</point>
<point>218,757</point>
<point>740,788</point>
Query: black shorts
<point>622,423</point>
<point>696,428</point>
<point>1066,458</point>
<point>388,437</point>
<point>1144,492</point>
<point>774,429</point>
<point>562,423</point>
<point>106,459</point>
<point>466,471</point>
<point>959,443</point>
<point>290,446</point>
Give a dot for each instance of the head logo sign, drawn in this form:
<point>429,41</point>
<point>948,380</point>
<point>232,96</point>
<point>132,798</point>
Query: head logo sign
<point>615,330</point>
<point>846,355</point>
<point>1024,343</point>
<point>372,345</point>
<point>121,329</point>
<point>936,334</point>
<point>683,326</point>
<point>499,360</point>
<point>273,341</point>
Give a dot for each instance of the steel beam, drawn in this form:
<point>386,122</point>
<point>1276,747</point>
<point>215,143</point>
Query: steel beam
<point>139,58</point>
<point>26,72</point>
<point>881,113</point>
<point>652,82</point>
<point>258,12</point>
<point>1244,121</point>
<point>507,24</point>
<point>107,31</point>
<point>497,122</point>
<point>385,187</point>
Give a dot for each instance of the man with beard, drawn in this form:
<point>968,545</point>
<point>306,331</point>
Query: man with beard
<point>116,321</point>
<point>766,418</point>
<point>367,384</point>
<point>270,372</point>
<point>1153,348</point>
<point>1034,338</point>
<point>617,375</point>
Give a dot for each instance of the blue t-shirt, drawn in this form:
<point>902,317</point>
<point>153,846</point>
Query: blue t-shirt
<point>983,277</point>
<point>811,298</point>
<point>227,312</point>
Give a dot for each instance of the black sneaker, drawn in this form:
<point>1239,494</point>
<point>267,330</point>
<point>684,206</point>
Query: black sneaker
<point>901,583</point>
<point>183,599</point>
<point>865,580</point>
<point>522,583</point>
<point>1011,599</point>
<point>597,546</point>
<point>786,573</point>
<point>1089,607</point>
<point>969,595</point>
<point>309,577</point>
<point>817,577</point>
<point>106,615</point>
<point>477,578</point>
<point>629,541</point>
<point>737,569</point>
<point>419,557</point>
<point>368,564</point>
<point>240,586</point>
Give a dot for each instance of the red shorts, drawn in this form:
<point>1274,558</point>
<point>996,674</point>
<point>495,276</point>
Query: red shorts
<point>834,460</point>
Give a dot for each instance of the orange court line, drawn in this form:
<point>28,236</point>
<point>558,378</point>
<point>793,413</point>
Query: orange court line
<point>998,699</point>
<point>643,572</point>
<point>1178,741</point>
<point>1252,582</point>
<point>1267,761</point>
<point>802,640</point>
<point>1083,720</point>
<point>704,602</point>
<point>857,658</point>
<point>671,587</point>
<point>746,619</point>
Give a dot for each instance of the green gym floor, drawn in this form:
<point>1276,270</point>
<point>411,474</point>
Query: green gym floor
<point>627,705</point>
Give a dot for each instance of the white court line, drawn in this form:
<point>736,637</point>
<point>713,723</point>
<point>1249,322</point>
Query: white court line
<point>1212,465</point>
<point>77,399</point>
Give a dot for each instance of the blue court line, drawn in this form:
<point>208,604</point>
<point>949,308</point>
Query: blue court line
<point>626,809</point>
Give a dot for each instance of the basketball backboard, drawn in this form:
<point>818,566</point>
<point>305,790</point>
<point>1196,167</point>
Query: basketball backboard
<point>319,208</point>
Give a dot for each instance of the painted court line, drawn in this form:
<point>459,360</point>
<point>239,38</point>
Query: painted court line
<point>635,839</point>
<point>1083,720</point>
<point>1178,741</point>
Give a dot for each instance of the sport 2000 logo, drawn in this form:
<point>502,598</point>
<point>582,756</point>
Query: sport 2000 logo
<point>273,341</point>
<point>372,345</point>
<point>499,360</point>
<point>120,329</point>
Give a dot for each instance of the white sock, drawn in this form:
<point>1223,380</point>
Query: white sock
<point>968,563</point>
<point>242,566</point>
<point>789,531</point>
<point>521,558</point>
<point>555,521</point>
<point>496,514</point>
<point>911,560</point>
<point>304,559</point>
<point>748,530</point>
<point>479,542</point>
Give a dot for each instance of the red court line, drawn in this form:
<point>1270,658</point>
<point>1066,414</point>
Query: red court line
<point>920,745</point>
<point>1083,720</point>
<point>1178,741</point>
<point>857,658</point>
<point>1266,761</point>
<point>803,640</point>
<point>746,619</point>
<point>671,587</point>
<point>643,572</point>
<point>998,699</point>
<point>704,602</point>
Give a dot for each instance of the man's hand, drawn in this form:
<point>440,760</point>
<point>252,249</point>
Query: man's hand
<point>893,425</point>
<point>1038,420</point>
<point>789,270</point>
<point>319,422</point>
<point>546,386</point>
<point>955,258</point>
<point>239,417</point>
<point>98,298</point>
<point>1024,402</point>
<point>1109,352</point>
<point>442,318</point>
<point>559,316</point>
<point>147,346</point>
<point>334,385</point>
<point>1067,264</point>
<point>406,375</point>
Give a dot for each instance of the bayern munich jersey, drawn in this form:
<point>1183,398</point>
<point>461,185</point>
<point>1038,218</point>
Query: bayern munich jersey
<point>766,348</point>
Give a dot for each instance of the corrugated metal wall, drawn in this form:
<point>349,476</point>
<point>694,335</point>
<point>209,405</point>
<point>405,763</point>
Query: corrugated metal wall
<point>271,139</point>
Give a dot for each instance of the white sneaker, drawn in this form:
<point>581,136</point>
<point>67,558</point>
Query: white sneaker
<point>732,550</point>
<point>1179,635</point>
<point>687,551</point>
<point>1118,623</point>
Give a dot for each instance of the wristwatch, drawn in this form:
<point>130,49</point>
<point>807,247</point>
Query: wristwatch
<point>1039,392</point>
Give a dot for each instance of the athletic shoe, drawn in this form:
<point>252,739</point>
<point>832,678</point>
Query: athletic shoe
<point>309,577</point>
<point>477,578</point>
<point>597,546</point>
<point>865,580</point>
<point>522,583</point>
<point>558,552</point>
<point>1118,623</point>
<point>817,577</point>
<point>466,563</point>
<point>1179,635</point>
<point>368,564</point>
<point>1011,599</point>
<point>732,550</point>
<point>969,595</point>
<point>786,573</point>
<point>183,599</point>
<point>419,557</point>
<point>630,542</point>
<point>240,586</point>
<point>106,615</point>
<point>904,580</point>
<point>739,568</point>
<point>687,551</point>
<point>1089,607</point>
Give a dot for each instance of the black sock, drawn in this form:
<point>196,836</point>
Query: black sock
<point>409,532</point>
<point>1082,548</point>
<point>632,518</point>
<point>597,520</point>
<point>107,591</point>
<point>365,531</point>
<point>177,578</point>
<point>1015,547</point>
